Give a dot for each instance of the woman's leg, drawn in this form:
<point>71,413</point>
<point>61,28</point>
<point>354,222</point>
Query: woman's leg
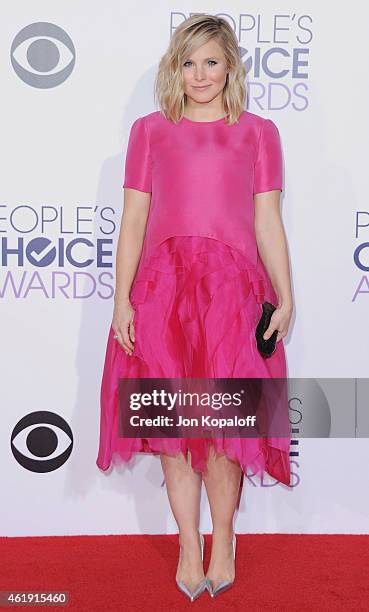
<point>222,483</point>
<point>184,492</point>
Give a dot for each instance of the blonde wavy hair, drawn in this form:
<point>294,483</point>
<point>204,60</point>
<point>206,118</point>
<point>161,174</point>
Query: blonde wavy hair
<point>195,31</point>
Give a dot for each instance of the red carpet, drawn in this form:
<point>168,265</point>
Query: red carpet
<point>273,572</point>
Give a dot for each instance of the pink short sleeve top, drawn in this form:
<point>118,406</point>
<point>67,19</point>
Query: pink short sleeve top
<point>202,176</point>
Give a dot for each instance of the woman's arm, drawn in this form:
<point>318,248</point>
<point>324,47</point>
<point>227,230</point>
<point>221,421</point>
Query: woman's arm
<point>129,248</point>
<point>272,246</point>
<point>131,236</point>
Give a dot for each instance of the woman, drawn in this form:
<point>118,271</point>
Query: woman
<point>201,246</point>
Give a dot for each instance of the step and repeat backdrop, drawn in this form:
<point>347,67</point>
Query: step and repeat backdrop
<point>75,75</point>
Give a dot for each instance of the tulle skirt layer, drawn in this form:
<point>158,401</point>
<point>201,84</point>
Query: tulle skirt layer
<point>197,302</point>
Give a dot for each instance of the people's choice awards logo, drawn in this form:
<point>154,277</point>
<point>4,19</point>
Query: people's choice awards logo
<point>41,441</point>
<point>309,408</point>
<point>361,252</point>
<point>43,55</point>
<point>275,49</point>
<point>56,251</point>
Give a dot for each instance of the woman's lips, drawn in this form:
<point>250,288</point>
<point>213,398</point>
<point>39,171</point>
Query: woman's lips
<point>201,88</point>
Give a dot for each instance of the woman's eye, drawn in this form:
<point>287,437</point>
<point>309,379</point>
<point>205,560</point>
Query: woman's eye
<point>210,62</point>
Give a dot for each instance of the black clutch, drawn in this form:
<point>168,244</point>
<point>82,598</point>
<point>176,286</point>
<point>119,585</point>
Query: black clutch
<point>266,348</point>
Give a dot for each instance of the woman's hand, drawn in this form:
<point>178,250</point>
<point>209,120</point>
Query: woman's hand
<point>280,320</point>
<point>123,326</point>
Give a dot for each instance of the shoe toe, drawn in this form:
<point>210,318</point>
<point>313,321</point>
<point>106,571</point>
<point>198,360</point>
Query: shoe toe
<point>192,594</point>
<point>217,587</point>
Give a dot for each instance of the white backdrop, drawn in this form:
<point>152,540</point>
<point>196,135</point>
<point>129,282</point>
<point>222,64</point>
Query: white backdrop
<point>74,76</point>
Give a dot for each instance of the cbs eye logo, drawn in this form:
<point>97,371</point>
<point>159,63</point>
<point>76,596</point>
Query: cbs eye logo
<point>41,441</point>
<point>43,55</point>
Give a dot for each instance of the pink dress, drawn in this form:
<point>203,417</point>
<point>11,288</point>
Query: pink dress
<point>200,282</point>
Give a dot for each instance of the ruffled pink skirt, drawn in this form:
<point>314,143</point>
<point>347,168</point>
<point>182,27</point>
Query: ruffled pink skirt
<point>197,302</point>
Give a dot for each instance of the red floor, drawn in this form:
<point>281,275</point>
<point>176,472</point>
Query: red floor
<point>273,572</point>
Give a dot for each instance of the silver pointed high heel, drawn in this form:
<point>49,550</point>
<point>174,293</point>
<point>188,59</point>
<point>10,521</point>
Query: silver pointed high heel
<point>224,584</point>
<point>192,595</point>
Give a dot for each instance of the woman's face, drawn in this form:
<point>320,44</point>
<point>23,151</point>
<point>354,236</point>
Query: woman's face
<point>204,73</point>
